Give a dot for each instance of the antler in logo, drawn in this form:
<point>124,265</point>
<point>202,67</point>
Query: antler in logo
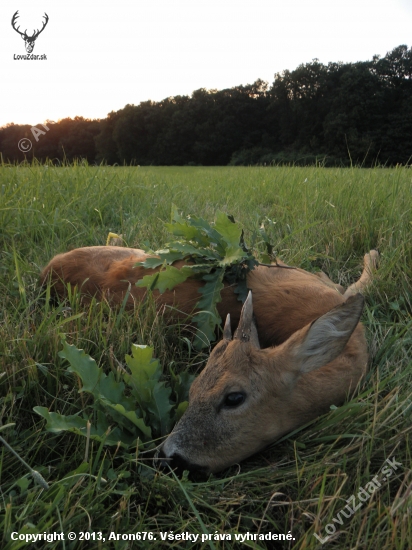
<point>28,40</point>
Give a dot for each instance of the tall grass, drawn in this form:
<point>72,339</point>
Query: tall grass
<point>317,218</point>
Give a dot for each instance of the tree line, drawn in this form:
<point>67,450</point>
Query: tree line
<point>338,113</point>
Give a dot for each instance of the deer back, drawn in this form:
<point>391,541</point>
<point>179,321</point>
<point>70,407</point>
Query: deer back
<point>284,299</point>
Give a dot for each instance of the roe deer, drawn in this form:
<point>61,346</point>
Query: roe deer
<point>246,397</point>
<point>285,299</point>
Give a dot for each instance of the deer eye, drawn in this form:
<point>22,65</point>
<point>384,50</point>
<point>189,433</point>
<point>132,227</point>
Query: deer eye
<point>234,399</point>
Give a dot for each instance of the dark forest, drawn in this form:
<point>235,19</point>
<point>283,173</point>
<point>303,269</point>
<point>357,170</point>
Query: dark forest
<point>334,114</point>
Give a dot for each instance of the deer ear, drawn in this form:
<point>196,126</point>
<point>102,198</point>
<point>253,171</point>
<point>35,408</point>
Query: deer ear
<point>327,336</point>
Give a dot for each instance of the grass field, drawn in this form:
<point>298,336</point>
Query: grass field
<point>318,219</point>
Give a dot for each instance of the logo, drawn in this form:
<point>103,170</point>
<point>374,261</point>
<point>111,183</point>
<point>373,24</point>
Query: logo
<point>29,40</point>
<point>25,144</point>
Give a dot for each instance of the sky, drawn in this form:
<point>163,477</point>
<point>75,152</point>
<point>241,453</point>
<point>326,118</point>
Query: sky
<point>104,55</point>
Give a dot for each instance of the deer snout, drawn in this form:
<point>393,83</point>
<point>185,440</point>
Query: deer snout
<point>176,462</point>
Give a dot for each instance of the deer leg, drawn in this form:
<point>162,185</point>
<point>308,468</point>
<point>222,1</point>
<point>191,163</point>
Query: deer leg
<point>370,262</point>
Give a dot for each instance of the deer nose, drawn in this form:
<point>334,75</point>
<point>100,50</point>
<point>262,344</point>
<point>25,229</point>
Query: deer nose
<point>162,461</point>
<point>177,463</point>
<point>174,462</point>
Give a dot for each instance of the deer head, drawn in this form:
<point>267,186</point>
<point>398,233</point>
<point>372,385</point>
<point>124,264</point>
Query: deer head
<point>28,40</point>
<point>247,397</point>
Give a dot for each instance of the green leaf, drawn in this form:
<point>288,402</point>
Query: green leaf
<point>81,363</point>
<point>166,279</point>
<point>187,249</point>
<point>110,388</point>
<point>174,214</point>
<point>180,410</point>
<point>266,259</point>
<point>132,416</point>
<point>73,423</point>
<point>59,423</point>
<point>153,396</point>
<point>233,254</point>
<point>181,228</point>
<point>211,247</point>
<point>145,373</point>
<point>150,263</point>
<point>161,407</point>
<point>181,385</point>
<point>229,230</point>
<point>142,366</point>
<point>170,256</point>
<point>202,225</point>
<point>211,291</point>
<point>116,418</point>
<point>241,290</point>
<point>95,381</point>
<point>164,256</point>
<point>192,228</point>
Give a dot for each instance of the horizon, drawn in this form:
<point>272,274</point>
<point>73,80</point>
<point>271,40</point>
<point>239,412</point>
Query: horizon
<point>133,53</point>
<point>211,90</point>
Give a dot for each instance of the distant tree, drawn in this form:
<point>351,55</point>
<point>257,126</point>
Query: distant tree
<point>77,139</point>
<point>299,105</point>
<point>136,132</point>
<point>229,120</point>
<point>361,111</point>
<point>357,109</point>
<point>68,138</point>
<point>10,135</point>
<point>174,144</point>
<point>106,148</point>
<point>395,134</point>
<point>356,113</point>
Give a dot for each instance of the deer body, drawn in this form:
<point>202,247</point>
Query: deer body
<point>246,397</point>
<point>293,296</point>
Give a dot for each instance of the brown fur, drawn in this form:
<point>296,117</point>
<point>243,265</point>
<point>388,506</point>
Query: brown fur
<point>320,357</point>
<point>285,300</point>
<point>284,388</point>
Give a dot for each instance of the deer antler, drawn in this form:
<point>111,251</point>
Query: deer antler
<point>24,34</point>
<point>44,24</point>
<point>13,21</point>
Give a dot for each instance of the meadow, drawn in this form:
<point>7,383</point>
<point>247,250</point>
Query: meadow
<point>317,218</point>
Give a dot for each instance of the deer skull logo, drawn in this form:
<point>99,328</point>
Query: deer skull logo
<point>29,40</point>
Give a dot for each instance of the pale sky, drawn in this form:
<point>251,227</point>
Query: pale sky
<point>104,55</point>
